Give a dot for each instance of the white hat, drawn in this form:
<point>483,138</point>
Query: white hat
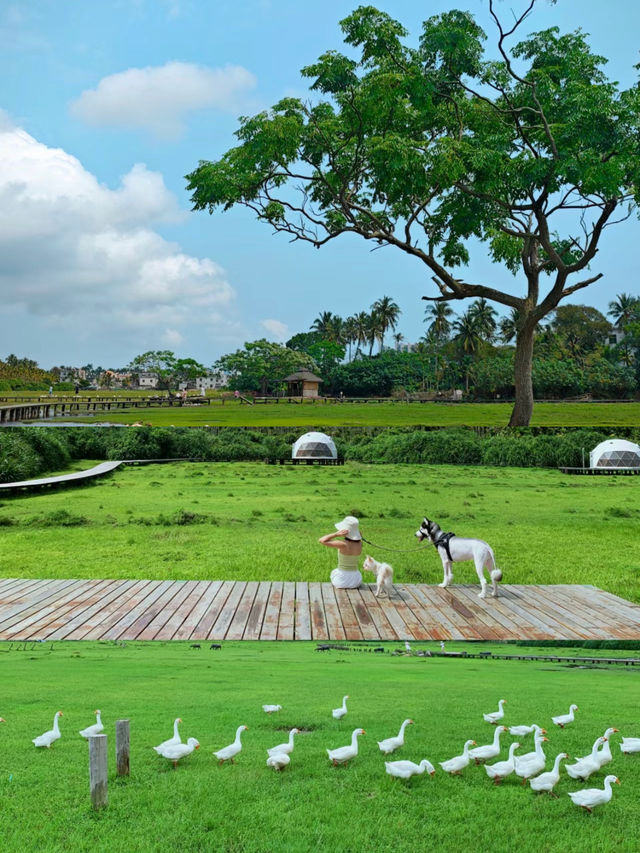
<point>349,523</point>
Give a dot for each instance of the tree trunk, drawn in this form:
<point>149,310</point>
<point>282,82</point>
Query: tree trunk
<point>523,406</point>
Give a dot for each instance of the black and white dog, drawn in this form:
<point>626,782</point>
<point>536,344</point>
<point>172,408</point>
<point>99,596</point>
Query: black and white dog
<point>455,549</point>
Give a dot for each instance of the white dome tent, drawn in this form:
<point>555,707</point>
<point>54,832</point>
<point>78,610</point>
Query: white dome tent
<point>314,445</point>
<point>615,453</point>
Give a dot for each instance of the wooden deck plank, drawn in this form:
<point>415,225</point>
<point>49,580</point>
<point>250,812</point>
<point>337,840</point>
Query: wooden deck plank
<point>287,611</point>
<point>84,600</point>
<point>365,620</point>
<point>166,627</point>
<point>415,614</point>
<point>380,621</point>
<point>95,626</point>
<point>29,620</point>
<point>115,591</point>
<point>124,625</point>
<point>319,629</point>
<point>187,630</point>
<point>156,615</point>
<point>38,597</point>
<point>272,613</point>
<point>208,618</point>
<point>302,617</point>
<point>240,617</point>
<point>127,609</point>
<point>224,620</point>
<point>332,613</point>
<point>349,622</point>
<point>253,628</point>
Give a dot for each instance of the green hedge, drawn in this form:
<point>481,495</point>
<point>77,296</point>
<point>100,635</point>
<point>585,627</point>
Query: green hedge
<point>27,452</point>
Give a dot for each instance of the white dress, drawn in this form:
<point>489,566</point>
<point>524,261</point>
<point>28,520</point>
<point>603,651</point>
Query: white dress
<point>347,575</point>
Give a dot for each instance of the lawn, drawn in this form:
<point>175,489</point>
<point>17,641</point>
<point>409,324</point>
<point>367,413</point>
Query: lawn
<point>373,414</point>
<point>251,521</point>
<point>44,794</point>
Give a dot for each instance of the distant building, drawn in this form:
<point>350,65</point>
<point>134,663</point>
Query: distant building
<point>212,381</point>
<point>72,374</point>
<point>405,346</point>
<point>147,380</point>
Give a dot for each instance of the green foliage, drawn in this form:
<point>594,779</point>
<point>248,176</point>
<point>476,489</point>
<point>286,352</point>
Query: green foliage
<point>262,366</point>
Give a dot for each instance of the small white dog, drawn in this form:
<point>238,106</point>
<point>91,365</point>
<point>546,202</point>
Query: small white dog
<point>455,549</point>
<point>383,573</point>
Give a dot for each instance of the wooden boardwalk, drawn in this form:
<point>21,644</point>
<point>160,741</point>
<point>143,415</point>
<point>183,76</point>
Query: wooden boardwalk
<point>275,610</point>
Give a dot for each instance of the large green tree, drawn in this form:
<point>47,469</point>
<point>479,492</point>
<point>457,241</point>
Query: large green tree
<point>262,365</point>
<point>430,148</point>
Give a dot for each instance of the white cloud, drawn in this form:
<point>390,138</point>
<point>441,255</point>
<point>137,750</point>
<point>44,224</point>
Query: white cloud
<point>157,99</point>
<point>84,259</point>
<point>278,330</point>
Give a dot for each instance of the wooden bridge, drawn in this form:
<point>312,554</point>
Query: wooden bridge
<point>50,407</point>
<point>33,609</point>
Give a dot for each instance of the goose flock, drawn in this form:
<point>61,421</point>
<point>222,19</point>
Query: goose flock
<point>528,766</point>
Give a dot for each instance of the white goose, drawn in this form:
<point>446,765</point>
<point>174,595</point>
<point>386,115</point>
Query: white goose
<point>603,756</point>
<point>175,751</point>
<point>228,753</point>
<point>271,709</point>
<point>459,762</point>
<point>545,782</point>
<point>406,769</point>
<point>91,731</point>
<point>338,713</point>
<point>630,744</point>
<point>523,731</point>
<point>495,716</point>
<point>392,743</point>
<point>284,747</point>
<point>172,740</point>
<point>278,760</point>
<point>529,756</point>
<point>526,769</point>
<point>502,769</point>
<point>345,753</point>
<point>489,750</point>
<point>51,736</point>
<point>585,767</point>
<point>564,719</point>
<point>589,798</point>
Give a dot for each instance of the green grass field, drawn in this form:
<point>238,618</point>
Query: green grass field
<point>251,521</point>
<point>44,794</point>
<point>373,414</point>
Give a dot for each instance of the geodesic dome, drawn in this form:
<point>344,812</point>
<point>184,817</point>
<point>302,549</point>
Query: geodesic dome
<point>615,453</point>
<point>314,445</point>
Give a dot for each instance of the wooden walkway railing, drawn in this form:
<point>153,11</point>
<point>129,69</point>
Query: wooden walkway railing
<point>33,609</point>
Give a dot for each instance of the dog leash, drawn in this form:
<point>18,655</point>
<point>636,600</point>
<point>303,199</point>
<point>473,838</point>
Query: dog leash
<point>397,550</point>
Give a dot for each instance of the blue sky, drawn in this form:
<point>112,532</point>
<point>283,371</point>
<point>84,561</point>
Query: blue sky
<point>106,104</point>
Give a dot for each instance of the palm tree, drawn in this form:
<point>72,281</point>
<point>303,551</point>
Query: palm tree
<point>468,332</point>
<point>375,330</point>
<point>349,333</point>
<point>323,324</point>
<point>469,336</point>
<point>485,316</point>
<point>623,309</point>
<point>509,326</point>
<point>388,312</point>
<point>398,338</point>
<point>439,313</point>
<point>336,330</point>
<point>361,328</point>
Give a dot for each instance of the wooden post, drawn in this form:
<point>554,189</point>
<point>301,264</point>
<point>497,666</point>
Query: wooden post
<point>98,770</point>
<point>122,747</point>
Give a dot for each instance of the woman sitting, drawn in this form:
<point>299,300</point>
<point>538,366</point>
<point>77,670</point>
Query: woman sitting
<point>348,543</point>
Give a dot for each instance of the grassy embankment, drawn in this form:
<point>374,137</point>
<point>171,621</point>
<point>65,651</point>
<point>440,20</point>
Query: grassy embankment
<point>373,414</point>
<point>44,797</point>
<point>251,521</point>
